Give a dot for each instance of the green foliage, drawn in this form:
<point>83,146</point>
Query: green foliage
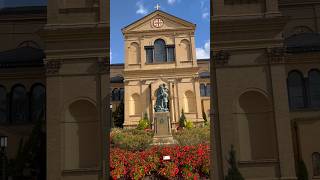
<point>143,124</point>
<point>302,172</point>
<point>189,124</point>
<point>233,171</point>
<point>131,139</point>
<point>118,115</point>
<point>204,116</point>
<point>31,154</point>
<point>193,136</point>
<point>182,119</point>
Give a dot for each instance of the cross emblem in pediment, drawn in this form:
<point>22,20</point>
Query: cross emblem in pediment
<point>157,22</point>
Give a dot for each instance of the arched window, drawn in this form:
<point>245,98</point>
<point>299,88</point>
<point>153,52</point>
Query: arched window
<point>134,104</point>
<point>202,90</point>
<point>3,105</point>
<point>160,53</point>
<point>316,163</point>
<point>115,94</point>
<point>38,103</point>
<point>296,90</point>
<point>190,102</point>
<point>314,88</point>
<point>19,105</point>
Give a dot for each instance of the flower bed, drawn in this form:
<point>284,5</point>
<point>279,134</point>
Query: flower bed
<point>187,162</point>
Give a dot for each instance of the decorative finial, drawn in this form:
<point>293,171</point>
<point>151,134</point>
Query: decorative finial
<point>158,6</point>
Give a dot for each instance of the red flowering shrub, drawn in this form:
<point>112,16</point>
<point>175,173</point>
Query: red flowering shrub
<point>188,162</point>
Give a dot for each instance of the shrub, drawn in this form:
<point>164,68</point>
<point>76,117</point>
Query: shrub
<point>182,120</point>
<point>233,171</point>
<point>204,116</point>
<point>144,123</point>
<point>193,136</point>
<point>118,115</point>
<point>188,124</point>
<point>302,172</point>
<point>131,139</point>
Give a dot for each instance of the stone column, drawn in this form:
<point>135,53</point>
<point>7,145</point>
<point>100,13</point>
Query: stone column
<point>54,108</point>
<point>196,85</point>
<point>172,117</point>
<point>283,122</point>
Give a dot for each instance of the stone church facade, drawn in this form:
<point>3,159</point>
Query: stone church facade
<point>160,49</point>
<point>267,77</point>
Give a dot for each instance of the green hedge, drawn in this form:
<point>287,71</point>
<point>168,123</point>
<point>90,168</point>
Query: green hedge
<point>193,136</point>
<point>131,139</point>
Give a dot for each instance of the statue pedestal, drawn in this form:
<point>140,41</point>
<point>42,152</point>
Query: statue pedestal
<point>162,129</point>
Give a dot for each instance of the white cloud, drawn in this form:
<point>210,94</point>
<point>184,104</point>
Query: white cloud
<point>171,2</point>
<point>204,9</point>
<point>141,9</point>
<point>203,52</point>
<point>110,56</point>
<point>205,15</point>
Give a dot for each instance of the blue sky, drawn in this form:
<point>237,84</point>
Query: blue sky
<point>124,12</point>
<point>15,3</point>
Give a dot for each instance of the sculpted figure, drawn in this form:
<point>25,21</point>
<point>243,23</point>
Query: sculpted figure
<point>162,99</point>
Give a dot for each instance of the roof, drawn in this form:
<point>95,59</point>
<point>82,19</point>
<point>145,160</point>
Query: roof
<point>22,57</point>
<point>116,79</point>
<point>304,42</point>
<point>158,12</point>
<point>23,10</point>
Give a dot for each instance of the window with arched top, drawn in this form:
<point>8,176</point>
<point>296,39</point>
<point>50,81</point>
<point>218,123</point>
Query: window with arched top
<point>185,47</point>
<point>134,104</point>
<point>189,102</point>
<point>160,54</point>
<point>115,94</point>
<point>314,88</point>
<point>296,90</point>
<point>134,53</point>
<point>316,163</point>
<point>38,102</point>
<point>19,105</point>
<point>3,105</point>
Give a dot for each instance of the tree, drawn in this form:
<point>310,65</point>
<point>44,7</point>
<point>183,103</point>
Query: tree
<point>118,115</point>
<point>204,116</point>
<point>182,120</point>
<point>302,172</point>
<point>31,155</point>
<point>233,171</point>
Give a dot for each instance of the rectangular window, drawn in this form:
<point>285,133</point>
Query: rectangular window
<point>149,55</point>
<point>170,53</point>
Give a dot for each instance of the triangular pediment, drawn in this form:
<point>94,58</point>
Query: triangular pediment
<point>158,21</point>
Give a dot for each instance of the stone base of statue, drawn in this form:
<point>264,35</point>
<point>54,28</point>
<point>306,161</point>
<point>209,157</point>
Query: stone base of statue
<point>162,129</point>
